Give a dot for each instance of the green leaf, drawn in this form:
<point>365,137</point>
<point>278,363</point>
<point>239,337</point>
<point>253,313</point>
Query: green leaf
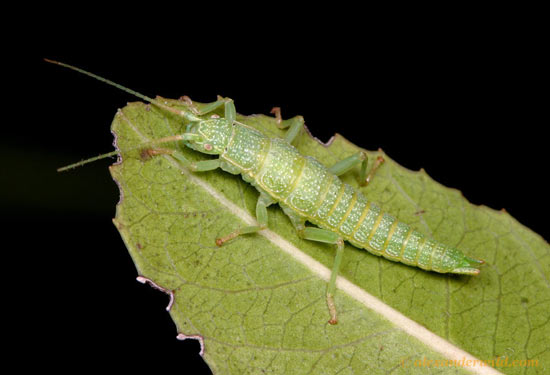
<point>258,302</point>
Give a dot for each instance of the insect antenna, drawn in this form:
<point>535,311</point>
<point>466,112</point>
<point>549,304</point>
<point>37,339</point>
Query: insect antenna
<point>155,102</point>
<point>99,157</point>
<point>185,114</point>
<point>173,138</point>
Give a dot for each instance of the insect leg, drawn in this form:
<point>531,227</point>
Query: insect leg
<point>323,235</point>
<point>294,124</point>
<point>348,163</point>
<point>277,112</point>
<point>195,166</point>
<point>364,180</point>
<point>230,112</point>
<point>261,215</point>
<point>298,222</point>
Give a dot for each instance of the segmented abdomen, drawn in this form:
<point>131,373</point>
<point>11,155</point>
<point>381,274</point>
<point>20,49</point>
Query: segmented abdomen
<point>331,204</point>
<point>308,187</point>
<point>362,223</point>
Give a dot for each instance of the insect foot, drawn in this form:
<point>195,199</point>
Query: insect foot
<point>332,310</point>
<point>377,163</point>
<point>149,153</point>
<point>220,241</point>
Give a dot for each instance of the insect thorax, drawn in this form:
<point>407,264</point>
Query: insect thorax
<point>246,149</point>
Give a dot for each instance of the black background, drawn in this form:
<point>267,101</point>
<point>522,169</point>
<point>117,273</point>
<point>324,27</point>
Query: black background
<point>466,107</point>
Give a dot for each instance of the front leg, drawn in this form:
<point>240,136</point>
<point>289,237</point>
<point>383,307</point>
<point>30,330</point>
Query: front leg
<point>194,166</point>
<point>229,108</point>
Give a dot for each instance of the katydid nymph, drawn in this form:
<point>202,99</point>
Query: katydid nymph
<point>305,189</point>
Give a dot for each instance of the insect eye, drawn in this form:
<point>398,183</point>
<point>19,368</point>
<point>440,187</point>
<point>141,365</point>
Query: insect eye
<point>207,146</point>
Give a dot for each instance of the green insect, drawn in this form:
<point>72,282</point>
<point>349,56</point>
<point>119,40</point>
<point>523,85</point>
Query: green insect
<point>305,189</point>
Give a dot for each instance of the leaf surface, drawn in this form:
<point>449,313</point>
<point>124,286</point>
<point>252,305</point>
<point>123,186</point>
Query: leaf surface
<point>258,302</point>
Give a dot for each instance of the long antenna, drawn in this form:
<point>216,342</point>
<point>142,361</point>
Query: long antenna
<point>179,137</point>
<point>185,114</point>
<point>74,165</point>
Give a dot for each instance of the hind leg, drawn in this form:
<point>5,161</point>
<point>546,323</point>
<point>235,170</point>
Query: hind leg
<point>326,236</point>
